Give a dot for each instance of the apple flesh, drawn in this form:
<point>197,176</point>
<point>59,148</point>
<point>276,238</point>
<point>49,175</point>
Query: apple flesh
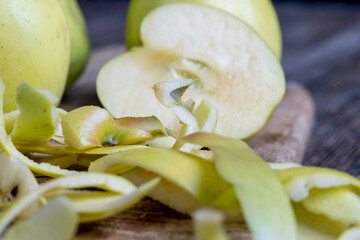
<point>258,14</point>
<point>34,46</point>
<point>237,72</point>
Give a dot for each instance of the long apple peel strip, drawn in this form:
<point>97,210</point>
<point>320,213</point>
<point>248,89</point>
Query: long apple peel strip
<point>103,181</point>
<point>57,219</point>
<point>256,186</point>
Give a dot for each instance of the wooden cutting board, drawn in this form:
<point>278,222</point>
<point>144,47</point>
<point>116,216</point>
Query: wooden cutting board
<point>283,139</point>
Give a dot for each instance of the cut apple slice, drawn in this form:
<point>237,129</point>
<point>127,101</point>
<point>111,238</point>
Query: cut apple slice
<point>256,186</point>
<point>38,118</point>
<point>188,181</point>
<point>57,220</point>
<point>260,15</point>
<point>246,83</point>
<point>90,126</point>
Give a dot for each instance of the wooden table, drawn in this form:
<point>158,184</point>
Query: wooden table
<point>321,44</point>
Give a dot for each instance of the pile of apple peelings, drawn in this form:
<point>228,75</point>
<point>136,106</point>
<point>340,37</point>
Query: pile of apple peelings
<point>129,158</point>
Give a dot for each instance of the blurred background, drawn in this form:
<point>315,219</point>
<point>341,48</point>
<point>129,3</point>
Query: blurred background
<point>321,50</point>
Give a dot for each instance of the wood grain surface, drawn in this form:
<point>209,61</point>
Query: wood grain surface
<point>283,139</point>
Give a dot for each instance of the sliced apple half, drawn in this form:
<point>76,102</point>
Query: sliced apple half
<point>259,14</point>
<point>237,72</point>
<point>90,126</point>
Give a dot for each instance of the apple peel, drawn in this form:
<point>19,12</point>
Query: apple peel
<point>7,146</point>
<point>300,180</point>
<point>38,118</point>
<point>189,174</point>
<point>256,186</point>
<point>91,126</point>
<point>208,225</point>
<point>103,181</point>
<point>149,124</point>
<point>58,220</point>
<point>14,174</point>
<point>169,94</point>
<point>338,204</point>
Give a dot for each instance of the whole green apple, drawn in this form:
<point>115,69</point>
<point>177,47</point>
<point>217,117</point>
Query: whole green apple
<point>259,14</point>
<point>79,39</point>
<point>34,46</point>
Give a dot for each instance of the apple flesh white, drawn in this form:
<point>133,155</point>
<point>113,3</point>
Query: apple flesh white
<point>79,39</point>
<point>34,46</point>
<point>237,72</point>
<point>258,14</point>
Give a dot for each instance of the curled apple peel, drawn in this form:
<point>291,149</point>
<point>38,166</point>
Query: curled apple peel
<point>90,126</point>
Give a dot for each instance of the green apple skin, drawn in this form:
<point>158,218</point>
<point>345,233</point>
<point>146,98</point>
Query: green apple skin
<point>79,40</point>
<point>259,14</point>
<point>34,46</point>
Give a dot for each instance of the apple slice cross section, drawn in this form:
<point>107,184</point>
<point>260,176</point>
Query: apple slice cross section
<point>245,81</point>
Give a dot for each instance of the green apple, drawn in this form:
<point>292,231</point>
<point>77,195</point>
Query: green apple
<point>34,46</point>
<point>79,39</point>
<point>258,14</point>
<point>236,70</point>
